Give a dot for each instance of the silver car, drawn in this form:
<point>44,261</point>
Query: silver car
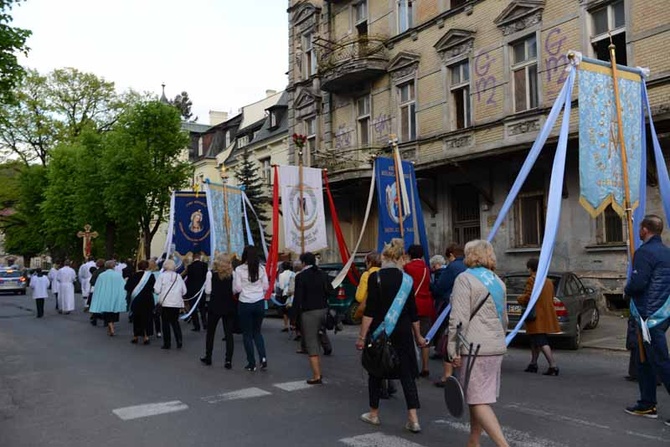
<point>12,280</point>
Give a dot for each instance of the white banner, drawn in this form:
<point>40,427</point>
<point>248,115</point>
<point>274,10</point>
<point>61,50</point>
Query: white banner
<point>307,213</point>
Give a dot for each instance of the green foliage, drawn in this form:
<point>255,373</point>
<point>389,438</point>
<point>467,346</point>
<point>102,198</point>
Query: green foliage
<point>12,41</point>
<point>183,103</point>
<point>247,174</point>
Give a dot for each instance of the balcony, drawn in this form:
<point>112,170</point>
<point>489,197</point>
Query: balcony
<point>351,62</point>
<point>350,160</point>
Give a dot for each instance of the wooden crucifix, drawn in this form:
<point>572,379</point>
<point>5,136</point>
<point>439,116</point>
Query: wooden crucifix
<point>87,236</point>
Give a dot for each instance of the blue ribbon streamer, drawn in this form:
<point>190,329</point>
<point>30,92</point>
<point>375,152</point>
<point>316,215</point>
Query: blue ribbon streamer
<point>436,326</point>
<point>200,294</point>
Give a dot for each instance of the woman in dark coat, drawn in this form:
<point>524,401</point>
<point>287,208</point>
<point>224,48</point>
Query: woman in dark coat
<point>380,297</point>
<point>222,306</point>
<point>140,288</point>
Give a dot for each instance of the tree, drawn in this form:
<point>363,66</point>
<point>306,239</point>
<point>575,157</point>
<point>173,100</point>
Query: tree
<point>12,41</point>
<point>247,175</point>
<point>142,165</point>
<point>183,103</point>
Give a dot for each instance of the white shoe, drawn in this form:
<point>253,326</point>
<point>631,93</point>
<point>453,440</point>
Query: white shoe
<point>414,427</point>
<point>370,419</point>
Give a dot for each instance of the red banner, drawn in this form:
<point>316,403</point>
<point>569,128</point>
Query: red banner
<point>273,257</point>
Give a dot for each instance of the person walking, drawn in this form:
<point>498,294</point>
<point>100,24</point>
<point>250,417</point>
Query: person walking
<point>649,290</point>
<point>95,272</point>
<point>282,293</point>
<point>251,282</point>
<point>373,263</point>
<point>420,273</point>
<point>170,288</point>
<point>195,281</point>
<point>311,300</point>
<point>140,287</point>
<point>383,286</point>
<point>153,268</point>
<point>66,277</point>
<point>53,279</point>
<point>545,322</point>
<point>222,306</point>
<point>109,296</point>
<point>39,285</point>
<point>479,312</point>
<point>84,274</point>
<point>442,294</point>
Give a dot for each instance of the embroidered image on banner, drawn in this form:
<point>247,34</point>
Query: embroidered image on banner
<point>302,209</point>
<point>226,218</point>
<point>600,173</point>
<point>191,224</point>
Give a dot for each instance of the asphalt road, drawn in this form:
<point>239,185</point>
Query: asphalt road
<point>65,383</point>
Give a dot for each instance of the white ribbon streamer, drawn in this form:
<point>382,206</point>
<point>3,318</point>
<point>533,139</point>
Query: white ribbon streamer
<point>260,225</point>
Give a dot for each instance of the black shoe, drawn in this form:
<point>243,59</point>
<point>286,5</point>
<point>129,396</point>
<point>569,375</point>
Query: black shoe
<point>179,345</point>
<point>165,347</point>
<point>327,351</point>
<point>250,368</point>
<point>297,338</point>
<point>264,364</point>
<point>639,410</point>
<point>552,371</point>
<point>228,365</point>
<point>531,368</point>
<point>206,360</point>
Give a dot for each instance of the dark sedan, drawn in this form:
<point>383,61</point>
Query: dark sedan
<point>575,304</point>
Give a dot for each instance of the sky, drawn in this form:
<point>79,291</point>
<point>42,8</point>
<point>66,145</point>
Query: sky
<point>224,53</point>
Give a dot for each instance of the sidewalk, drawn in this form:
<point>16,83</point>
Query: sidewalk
<point>610,333</point>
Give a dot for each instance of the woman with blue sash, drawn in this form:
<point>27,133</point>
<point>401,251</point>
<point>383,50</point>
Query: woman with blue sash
<point>140,288</point>
<point>391,307</point>
<point>479,312</point>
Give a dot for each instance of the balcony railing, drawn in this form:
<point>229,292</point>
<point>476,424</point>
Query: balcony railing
<point>351,61</point>
<point>350,159</point>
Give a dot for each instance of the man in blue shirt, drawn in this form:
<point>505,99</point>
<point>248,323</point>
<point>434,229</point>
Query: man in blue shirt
<point>649,290</point>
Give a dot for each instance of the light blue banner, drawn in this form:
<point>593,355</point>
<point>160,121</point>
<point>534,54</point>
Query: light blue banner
<point>227,218</point>
<point>600,171</point>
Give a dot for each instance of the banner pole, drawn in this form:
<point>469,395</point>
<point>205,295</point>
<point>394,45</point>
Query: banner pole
<point>302,205</point>
<point>398,186</point>
<point>226,215</point>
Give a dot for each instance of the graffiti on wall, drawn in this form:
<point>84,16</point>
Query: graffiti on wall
<point>554,45</point>
<point>381,125</point>
<point>485,81</point>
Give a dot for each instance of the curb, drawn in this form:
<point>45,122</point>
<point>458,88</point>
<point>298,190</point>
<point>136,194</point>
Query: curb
<point>605,348</point>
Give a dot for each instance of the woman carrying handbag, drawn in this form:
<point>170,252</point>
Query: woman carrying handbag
<point>170,288</point>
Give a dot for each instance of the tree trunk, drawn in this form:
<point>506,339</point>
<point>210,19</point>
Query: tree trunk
<point>110,238</point>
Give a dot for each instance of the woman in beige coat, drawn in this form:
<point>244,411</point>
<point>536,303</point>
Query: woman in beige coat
<point>546,321</point>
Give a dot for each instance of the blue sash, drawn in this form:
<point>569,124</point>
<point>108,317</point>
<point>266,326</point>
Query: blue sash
<point>140,285</point>
<point>391,318</point>
<point>658,317</point>
<point>492,284</point>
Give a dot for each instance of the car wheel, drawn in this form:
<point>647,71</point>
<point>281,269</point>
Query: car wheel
<point>576,340</point>
<point>595,319</point>
<point>349,316</point>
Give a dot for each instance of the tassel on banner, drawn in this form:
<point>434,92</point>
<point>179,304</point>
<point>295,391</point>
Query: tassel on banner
<point>273,260</point>
<point>353,274</point>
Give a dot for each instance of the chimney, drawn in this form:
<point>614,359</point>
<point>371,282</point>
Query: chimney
<point>270,92</point>
<point>217,117</point>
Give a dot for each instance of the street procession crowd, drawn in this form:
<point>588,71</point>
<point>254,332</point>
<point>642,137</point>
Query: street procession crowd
<point>400,296</point>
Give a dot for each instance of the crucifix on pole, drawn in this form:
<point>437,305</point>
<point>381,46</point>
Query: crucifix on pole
<point>87,235</point>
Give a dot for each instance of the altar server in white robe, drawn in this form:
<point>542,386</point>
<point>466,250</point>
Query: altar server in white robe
<point>53,278</point>
<point>39,284</point>
<point>85,278</point>
<point>66,278</point>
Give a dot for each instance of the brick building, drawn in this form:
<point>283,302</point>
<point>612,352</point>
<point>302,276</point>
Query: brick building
<point>466,87</point>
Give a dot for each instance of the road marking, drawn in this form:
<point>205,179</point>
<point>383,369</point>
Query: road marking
<point>293,386</point>
<point>378,440</point>
<point>650,437</point>
<point>245,393</point>
<point>514,437</point>
<point>552,416</point>
<point>142,411</point>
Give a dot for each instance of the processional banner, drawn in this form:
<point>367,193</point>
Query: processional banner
<point>302,208</point>
<point>226,218</point>
<point>388,205</point>
<point>191,227</point>
<point>600,168</point>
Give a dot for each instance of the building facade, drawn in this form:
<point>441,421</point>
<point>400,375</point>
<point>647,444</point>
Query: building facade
<point>465,86</point>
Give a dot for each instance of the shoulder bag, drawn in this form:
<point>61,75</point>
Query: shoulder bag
<point>159,307</point>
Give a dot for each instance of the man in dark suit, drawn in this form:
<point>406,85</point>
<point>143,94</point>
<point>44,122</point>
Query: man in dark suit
<point>196,273</point>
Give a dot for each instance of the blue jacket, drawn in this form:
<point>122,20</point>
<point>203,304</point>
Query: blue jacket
<point>445,283</point>
<point>649,284</point>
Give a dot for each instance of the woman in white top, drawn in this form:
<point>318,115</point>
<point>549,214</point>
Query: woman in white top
<point>39,284</point>
<point>251,282</point>
<point>170,289</point>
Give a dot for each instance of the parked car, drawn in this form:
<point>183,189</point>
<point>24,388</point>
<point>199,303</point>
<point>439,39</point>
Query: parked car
<point>343,301</point>
<point>575,304</point>
<point>13,280</point>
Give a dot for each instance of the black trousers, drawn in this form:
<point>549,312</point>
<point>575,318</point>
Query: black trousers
<point>228,322</point>
<point>39,302</point>
<point>200,314</point>
<point>375,388</point>
<point>170,319</point>
<point>56,296</point>
<point>142,323</point>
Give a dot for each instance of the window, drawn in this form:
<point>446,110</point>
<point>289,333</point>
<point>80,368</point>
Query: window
<point>465,212</point>
<point>457,3</point>
<point>530,219</point>
<point>242,141</point>
<point>227,138</point>
<point>460,95</point>
<point>609,19</point>
<point>363,114</point>
<point>309,151</point>
<point>274,122</point>
<point>407,111</point>
<point>309,55</point>
<point>609,228</point>
<point>405,14</point>
<point>200,147</point>
<point>361,11</point>
<point>266,171</point>
<point>524,74</point>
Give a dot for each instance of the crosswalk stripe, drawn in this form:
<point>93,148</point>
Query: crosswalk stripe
<point>245,393</point>
<point>293,386</point>
<point>141,411</point>
<point>378,440</point>
<point>515,437</point>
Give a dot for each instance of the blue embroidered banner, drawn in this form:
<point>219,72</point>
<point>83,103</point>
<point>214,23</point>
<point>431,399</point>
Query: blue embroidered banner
<point>226,218</point>
<point>600,172</point>
<point>191,230</point>
<point>387,200</point>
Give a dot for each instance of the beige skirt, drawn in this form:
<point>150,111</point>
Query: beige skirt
<point>484,386</point>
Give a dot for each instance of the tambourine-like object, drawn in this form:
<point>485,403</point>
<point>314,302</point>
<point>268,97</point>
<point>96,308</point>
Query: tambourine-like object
<point>454,397</point>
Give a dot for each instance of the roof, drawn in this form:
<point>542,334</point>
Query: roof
<point>195,127</point>
<point>282,125</point>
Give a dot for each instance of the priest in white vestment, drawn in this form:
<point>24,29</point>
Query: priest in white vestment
<point>66,278</point>
<point>53,279</point>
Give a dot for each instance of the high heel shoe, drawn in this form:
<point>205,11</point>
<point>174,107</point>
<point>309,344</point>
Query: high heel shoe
<point>552,371</point>
<point>531,368</point>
